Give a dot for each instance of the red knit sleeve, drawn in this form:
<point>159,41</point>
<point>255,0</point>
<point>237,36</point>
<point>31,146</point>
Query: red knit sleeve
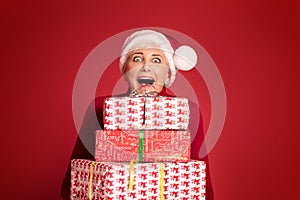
<point>197,133</point>
<point>85,143</point>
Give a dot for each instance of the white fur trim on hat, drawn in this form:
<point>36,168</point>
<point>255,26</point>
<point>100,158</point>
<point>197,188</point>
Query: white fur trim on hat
<point>184,58</point>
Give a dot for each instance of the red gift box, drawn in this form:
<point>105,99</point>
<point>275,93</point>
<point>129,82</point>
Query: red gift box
<point>144,181</point>
<point>142,146</point>
<point>127,113</point>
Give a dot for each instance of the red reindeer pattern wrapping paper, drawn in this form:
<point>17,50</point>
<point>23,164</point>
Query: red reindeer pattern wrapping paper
<point>156,113</point>
<point>157,146</point>
<point>110,181</point>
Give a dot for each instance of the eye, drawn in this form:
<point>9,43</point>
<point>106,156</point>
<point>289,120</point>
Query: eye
<point>137,59</point>
<point>156,60</point>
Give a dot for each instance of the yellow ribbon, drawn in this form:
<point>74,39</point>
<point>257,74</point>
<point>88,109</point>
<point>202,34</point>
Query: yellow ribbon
<point>91,181</point>
<point>161,179</point>
<point>131,175</point>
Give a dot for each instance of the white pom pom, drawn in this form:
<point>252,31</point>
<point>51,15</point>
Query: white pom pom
<point>185,58</point>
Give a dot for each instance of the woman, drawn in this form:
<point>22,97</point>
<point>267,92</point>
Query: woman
<point>149,64</point>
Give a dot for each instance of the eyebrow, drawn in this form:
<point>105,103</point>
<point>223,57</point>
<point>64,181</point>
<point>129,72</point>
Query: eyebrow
<point>137,53</point>
<point>141,53</point>
<point>156,55</point>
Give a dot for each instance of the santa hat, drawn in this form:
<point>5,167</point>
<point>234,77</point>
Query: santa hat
<point>183,58</point>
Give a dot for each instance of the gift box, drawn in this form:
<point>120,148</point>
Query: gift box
<point>144,181</point>
<point>127,113</point>
<point>142,145</point>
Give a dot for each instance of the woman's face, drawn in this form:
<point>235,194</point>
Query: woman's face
<point>146,70</point>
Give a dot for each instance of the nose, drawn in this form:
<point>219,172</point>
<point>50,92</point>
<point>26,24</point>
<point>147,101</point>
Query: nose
<point>145,67</point>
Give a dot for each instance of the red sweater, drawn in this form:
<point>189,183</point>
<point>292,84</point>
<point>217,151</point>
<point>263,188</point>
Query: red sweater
<point>85,144</point>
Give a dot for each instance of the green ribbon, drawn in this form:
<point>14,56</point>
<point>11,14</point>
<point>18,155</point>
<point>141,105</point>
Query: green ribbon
<point>141,145</point>
<point>141,135</point>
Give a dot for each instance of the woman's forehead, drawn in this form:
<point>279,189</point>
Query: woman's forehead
<point>148,51</point>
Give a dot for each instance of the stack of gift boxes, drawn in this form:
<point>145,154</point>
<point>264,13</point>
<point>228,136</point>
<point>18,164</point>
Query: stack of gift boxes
<point>142,153</point>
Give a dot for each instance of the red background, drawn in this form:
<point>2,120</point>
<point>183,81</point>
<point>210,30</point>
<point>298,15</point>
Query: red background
<point>255,45</point>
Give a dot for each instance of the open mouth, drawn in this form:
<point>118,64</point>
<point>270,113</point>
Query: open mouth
<point>145,81</point>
